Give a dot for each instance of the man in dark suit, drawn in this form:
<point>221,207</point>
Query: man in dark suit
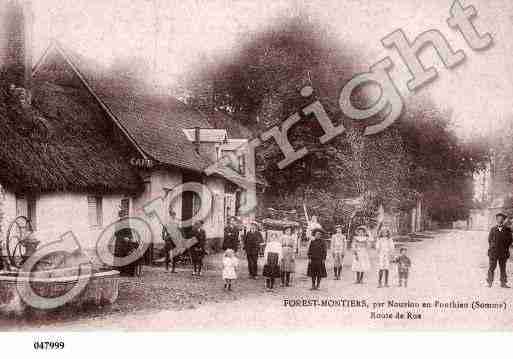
<point>252,241</point>
<point>231,236</point>
<point>499,241</point>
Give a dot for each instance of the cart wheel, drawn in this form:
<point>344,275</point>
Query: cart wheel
<point>16,251</point>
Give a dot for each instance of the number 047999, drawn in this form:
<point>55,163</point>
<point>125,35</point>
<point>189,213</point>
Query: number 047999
<point>48,345</point>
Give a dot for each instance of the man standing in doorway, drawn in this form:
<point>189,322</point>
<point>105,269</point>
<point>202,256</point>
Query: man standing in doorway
<point>499,241</point>
<point>252,241</point>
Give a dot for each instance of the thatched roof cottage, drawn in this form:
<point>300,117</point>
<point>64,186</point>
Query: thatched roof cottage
<point>80,146</point>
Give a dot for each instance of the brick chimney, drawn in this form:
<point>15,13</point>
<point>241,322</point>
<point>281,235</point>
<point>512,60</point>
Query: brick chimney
<point>16,42</point>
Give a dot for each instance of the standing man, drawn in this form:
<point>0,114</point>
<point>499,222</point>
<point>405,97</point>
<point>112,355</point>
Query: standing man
<point>198,249</point>
<point>171,235</point>
<point>252,241</point>
<point>499,241</point>
<point>338,250</point>
<point>316,258</point>
<point>231,236</point>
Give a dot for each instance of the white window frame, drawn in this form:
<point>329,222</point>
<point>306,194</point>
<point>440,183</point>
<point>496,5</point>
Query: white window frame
<point>95,219</point>
<point>26,206</point>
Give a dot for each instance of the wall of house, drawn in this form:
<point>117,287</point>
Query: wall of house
<point>58,213</point>
<point>163,181</point>
<point>158,184</point>
<point>215,222</point>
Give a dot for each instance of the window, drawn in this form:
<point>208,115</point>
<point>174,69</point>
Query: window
<point>124,208</point>
<point>26,206</point>
<point>95,211</point>
<point>242,164</point>
<point>240,201</point>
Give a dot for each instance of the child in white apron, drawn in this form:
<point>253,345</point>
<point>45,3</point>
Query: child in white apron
<point>385,250</point>
<point>361,262</point>
<point>230,264</point>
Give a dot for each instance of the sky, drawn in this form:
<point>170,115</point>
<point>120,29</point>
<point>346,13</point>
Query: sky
<point>175,37</point>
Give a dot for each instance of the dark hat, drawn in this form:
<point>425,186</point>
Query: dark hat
<point>500,214</point>
<point>315,230</point>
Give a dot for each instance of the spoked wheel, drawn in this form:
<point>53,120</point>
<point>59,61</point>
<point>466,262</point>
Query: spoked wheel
<point>18,230</point>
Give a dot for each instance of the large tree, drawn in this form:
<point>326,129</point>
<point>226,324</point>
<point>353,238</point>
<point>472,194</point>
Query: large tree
<point>260,86</point>
<point>440,164</point>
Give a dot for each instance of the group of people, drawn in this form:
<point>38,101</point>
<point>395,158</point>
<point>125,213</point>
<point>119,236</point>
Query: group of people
<point>170,232</point>
<point>280,254</point>
<point>385,248</point>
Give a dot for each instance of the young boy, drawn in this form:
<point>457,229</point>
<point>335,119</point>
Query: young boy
<point>403,267</point>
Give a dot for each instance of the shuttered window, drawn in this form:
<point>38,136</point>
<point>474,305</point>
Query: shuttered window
<point>95,211</point>
<point>124,207</point>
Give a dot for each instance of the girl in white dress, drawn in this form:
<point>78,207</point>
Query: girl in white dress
<point>361,262</point>
<point>230,264</point>
<point>385,249</point>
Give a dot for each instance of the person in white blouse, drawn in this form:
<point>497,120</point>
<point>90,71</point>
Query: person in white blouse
<point>273,255</point>
<point>361,262</point>
<point>288,262</point>
<point>385,249</point>
<point>338,249</point>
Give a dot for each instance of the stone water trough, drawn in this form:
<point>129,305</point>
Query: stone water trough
<point>102,287</point>
<point>52,276</point>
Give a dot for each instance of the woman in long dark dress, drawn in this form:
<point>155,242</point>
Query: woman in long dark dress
<point>317,256</point>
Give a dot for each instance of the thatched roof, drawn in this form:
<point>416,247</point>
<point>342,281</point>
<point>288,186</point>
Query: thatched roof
<point>153,123</point>
<point>60,144</point>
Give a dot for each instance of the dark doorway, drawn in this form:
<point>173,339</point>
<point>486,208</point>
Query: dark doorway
<point>190,200</point>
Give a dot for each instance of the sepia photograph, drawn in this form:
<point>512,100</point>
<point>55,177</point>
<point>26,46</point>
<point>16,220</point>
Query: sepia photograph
<point>244,165</point>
